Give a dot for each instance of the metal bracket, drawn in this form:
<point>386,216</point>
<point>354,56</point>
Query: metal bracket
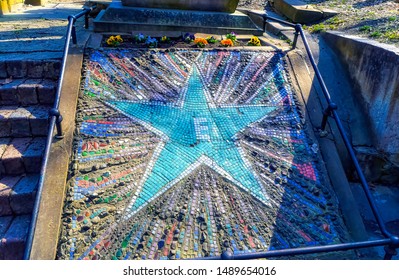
<point>54,112</point>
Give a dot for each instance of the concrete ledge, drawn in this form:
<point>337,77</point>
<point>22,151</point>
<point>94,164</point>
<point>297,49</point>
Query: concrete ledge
<point>374,70</point>
<point>49,219</point>
<point>228,6</point>
<point>298,11</point>
<point>118,18</point>
<point>303,84</point>
<point>301,12</point>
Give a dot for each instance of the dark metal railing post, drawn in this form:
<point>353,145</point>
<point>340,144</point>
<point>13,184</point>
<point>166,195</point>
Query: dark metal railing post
<point>227,255</point>
<point>327,113</point>
<point>74,38</point>
<point>87,21</point>
<point>72,20</point>
<point>264,22</point>
<point>58,122</point>
<point>296,34</point>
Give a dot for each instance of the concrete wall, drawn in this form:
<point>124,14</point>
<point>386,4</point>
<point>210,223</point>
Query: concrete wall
<point>374,70</point>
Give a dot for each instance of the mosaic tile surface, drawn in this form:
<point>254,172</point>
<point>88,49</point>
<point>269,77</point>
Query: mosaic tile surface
<point>185,153</point>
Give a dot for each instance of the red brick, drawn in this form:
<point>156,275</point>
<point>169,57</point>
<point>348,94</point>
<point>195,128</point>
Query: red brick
<point>12,157</point>
<point>6,185</point>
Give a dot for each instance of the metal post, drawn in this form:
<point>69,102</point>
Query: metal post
<point>264,22</point>
<point>227,255</point>
<point>390,250</point>
<point>327,113</point>
<point>296,34</point>
<point>72,20</point>
<point>87,20</point>
<point>58,120</point>
<point>74,39</point>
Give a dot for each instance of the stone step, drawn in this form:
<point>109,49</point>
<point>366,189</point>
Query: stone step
<point>13,233</point>
<point>21,155</point>
<point>27,91</point>
<point>17,194</point>
<point>24,121</point>
<point>36,69</point>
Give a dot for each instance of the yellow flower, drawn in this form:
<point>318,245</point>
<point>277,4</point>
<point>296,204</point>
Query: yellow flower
<point>254,41</point>
<point>114,40</point>
<point>227,43</point>
<point>118,38</point>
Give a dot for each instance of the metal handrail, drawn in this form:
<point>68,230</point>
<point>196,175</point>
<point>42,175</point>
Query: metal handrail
<point>391,241</point>
<point>55,120</point>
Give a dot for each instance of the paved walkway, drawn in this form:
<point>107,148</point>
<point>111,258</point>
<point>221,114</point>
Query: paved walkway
<point>37,32</point>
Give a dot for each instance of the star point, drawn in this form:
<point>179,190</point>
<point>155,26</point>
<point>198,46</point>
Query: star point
<point>194,133</point>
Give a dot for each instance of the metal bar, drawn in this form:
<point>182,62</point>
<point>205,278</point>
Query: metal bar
<point>362,179</point>
<point>83,12</point>
<point>344,137</point>
<point>55,119</point>
<point>315,68</point>
<point>58,122</point>
<point>32,226</point>
<point>296,34</point>
<point>394,239</point>
<point>301,251</point>
<point>327,113</point>
<point>266,17</point>
<point>86,20</point>
<point>74,39</point>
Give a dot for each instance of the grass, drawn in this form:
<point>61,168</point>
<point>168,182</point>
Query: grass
<point>376,34</point>
<point>392,35</point>
<point>335,20</point>
<point>321,27</point>
<point>390,19</point>
<point>365,28</point>
<point>317,28</point>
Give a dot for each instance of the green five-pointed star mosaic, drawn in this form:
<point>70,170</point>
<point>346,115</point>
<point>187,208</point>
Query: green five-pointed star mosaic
<point>194,132</point>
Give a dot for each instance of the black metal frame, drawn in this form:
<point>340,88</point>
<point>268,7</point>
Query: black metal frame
<point>391,241</point>
<point>55,120</point>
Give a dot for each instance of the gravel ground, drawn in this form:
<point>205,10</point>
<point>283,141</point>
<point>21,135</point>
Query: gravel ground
<point>375,19</point>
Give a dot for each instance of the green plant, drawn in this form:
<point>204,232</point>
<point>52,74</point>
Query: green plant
<point>371,15</point>
<point>392,35</point>
<point>392,18</point>
<point>232,36</point>
<point>188,37</point>
<point>151,42</point>
<point>376,34</point>
<point>335,20</point>
<point>211,40</point>
<point>114,40</point>
<point>140,38</point>
<point>165,39</point>
<point>254,41</point>
<point>365,28</point>
<point>317,28</point>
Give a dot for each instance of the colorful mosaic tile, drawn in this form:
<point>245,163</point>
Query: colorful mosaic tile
<point>185,153</point>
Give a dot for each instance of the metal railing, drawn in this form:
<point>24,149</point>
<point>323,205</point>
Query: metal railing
<point>390,241</point>
<point>55,121</point>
